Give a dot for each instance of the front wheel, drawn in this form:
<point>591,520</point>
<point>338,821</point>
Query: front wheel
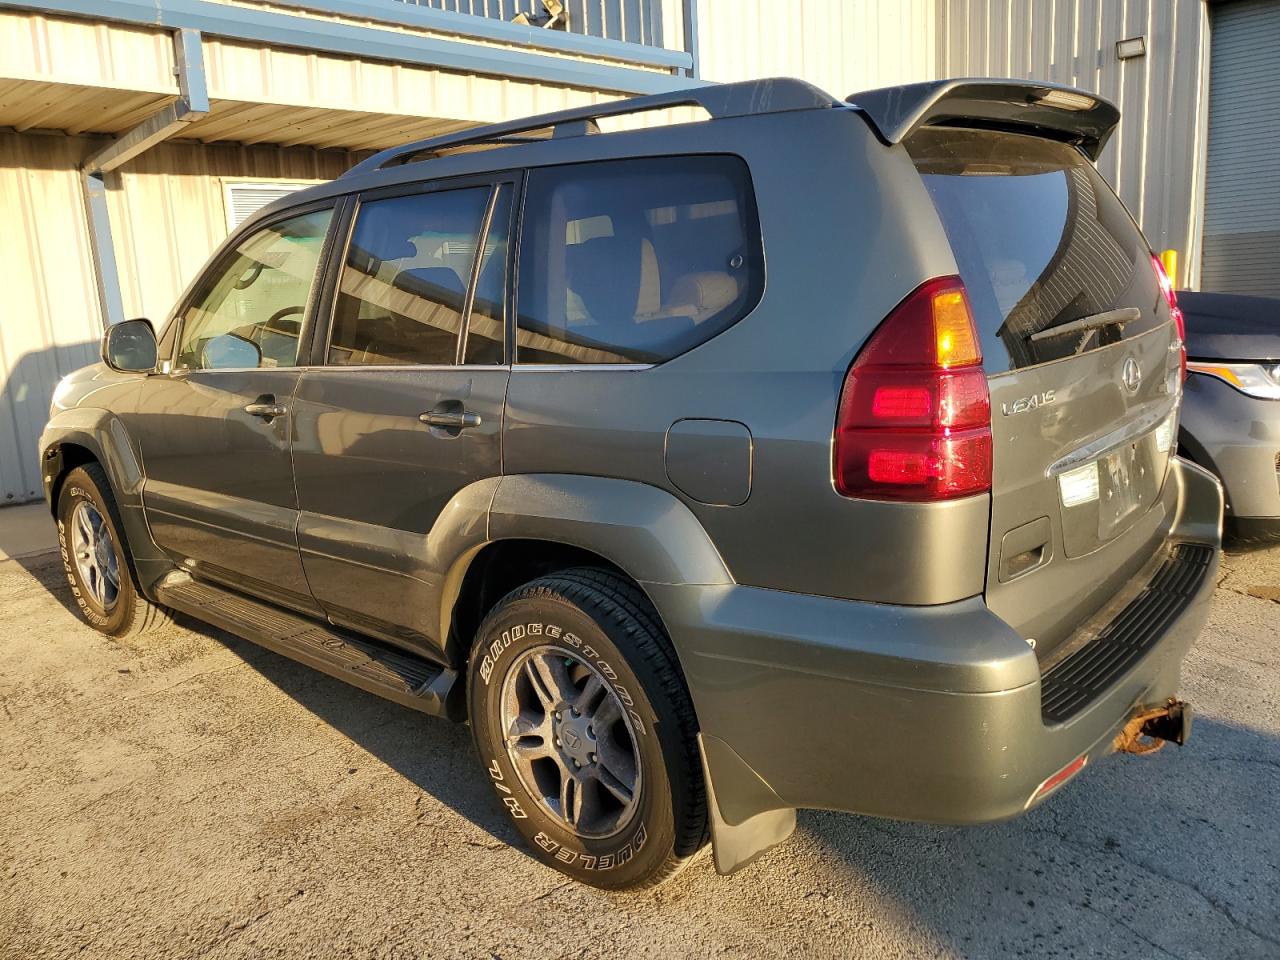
<point>96,559</point>
<point>583,721</point>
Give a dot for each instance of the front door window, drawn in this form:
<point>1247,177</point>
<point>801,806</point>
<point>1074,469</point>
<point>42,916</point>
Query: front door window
<point>249,311</point>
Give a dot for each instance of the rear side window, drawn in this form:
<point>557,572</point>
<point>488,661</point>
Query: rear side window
<point>403,286</point>
<point>1041,241</point>
<point>635,261</point>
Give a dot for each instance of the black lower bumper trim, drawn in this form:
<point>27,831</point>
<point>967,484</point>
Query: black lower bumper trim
<point>1071,685</point>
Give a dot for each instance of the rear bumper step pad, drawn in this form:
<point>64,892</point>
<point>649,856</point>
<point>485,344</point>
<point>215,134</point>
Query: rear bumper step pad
<point>1071,685</point>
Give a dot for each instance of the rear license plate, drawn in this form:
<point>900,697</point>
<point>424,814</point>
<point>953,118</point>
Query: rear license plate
<point>1123,487</point>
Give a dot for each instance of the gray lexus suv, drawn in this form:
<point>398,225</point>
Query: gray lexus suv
<point>815,454</point>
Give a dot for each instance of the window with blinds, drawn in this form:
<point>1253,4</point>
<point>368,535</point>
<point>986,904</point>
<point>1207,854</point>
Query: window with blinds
<point>244,197</point>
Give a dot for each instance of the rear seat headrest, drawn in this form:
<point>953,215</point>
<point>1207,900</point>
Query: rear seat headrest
<point>701,295</point>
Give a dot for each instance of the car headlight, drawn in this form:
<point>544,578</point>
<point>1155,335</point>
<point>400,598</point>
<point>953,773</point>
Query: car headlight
<point>1261,380</point>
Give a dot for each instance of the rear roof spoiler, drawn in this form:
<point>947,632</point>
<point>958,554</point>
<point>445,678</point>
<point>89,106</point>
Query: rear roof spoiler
<point>1047,109</point>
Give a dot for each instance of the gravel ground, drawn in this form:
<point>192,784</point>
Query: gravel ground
<point>195,796</point>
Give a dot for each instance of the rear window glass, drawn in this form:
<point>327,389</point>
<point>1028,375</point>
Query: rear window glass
<point>1041,241</point>
<point>635,261</point>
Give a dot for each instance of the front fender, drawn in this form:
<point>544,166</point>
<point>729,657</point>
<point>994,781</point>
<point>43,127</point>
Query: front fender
<point>101,433</point>
<point>105,437</point>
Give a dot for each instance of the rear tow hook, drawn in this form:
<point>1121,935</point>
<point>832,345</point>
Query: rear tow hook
<point>1148,731</point>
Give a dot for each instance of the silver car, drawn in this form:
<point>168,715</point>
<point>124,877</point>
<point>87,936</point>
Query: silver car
<point>1231,405</point>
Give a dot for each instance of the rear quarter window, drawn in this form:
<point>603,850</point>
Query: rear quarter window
<point>1040,240</point>
<point>635,261</point>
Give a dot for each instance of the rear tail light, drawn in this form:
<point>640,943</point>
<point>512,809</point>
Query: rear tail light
<point>914,422</point>
<point>1171,298</point>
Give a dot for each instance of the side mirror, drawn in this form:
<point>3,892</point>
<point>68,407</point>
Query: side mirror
<point>230,352</point>
<point>130,346</point>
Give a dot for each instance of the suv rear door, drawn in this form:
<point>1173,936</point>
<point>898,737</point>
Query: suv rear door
<point>1083,366</point>
<point>402,406</point>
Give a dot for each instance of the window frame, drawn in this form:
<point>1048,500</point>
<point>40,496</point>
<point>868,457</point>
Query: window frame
<point>513,278</point>
<point>337,258</point>
<point>228,253</point>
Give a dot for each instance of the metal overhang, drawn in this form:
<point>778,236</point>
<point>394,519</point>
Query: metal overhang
<point>275,28</point>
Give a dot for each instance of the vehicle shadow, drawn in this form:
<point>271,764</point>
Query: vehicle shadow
<point>25,394</point>
<point>1175,855</point>
<point>432,753</point>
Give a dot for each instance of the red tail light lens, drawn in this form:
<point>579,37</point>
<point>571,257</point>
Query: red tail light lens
<point>1171,298</point>
<point>915,416</point>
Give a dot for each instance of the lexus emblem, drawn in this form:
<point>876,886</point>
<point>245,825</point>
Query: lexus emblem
<point>1131,375</point>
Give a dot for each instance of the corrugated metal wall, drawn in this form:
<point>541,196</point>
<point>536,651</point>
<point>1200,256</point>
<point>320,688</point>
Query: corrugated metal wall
<point>1242,197</point>
<point>842,46</point>
<point>168,210</point>
<point>51,321</point>
<point>1156,159</point>
<point>636,21</point>
<point>167,219</point>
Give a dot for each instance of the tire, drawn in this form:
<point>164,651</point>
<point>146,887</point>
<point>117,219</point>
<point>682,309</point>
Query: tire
<point>111,601</point>
<point>623,673</point>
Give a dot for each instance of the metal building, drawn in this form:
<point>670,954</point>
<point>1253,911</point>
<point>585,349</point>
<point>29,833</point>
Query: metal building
<point>1242,197</point>
<point>133,133</point>
<point>1197,83</point>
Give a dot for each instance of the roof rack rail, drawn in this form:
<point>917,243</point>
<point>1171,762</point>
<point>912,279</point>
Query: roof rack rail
<point>747,98</point>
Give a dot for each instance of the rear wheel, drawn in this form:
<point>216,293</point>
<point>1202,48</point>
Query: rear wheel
<point>583,720</point>
<point>96,559</point>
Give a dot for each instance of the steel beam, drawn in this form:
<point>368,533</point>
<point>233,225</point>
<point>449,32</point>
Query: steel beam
<point>106,275</point>
<point>192,104</point>
<point>689,15</point>
<point>274,28</point>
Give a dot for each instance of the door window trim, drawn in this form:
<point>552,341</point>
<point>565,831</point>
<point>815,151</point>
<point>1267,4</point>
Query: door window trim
<point>225,255</point>
<point>337,259</point>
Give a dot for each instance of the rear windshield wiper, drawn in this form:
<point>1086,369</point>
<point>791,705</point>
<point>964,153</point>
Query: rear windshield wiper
<point>1092,322</point>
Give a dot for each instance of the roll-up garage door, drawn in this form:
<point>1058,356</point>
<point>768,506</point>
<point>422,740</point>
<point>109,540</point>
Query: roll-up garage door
<point>1242,198</point>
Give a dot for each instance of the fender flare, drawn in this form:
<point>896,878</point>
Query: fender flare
<point>104,435</point>
<point>643,530</point>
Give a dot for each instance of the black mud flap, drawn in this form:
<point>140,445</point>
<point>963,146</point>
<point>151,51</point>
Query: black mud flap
<point>747,817</point>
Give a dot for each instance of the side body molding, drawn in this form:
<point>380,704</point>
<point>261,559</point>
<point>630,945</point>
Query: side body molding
<point>104,435</point>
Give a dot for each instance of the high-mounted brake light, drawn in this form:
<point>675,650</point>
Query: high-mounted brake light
<point>1171,298</point>
<point>914,421</point>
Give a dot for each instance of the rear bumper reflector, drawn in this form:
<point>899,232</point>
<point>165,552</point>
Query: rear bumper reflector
<point>1058,779</point>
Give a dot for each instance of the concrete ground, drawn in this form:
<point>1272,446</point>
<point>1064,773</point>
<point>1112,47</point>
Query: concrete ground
<point>195,796</point>
<point>26,531</point>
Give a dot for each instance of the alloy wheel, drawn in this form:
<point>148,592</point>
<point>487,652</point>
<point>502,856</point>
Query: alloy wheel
<point>571,741</point>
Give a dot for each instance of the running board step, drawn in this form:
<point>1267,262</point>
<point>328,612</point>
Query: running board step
<point>367,664</point>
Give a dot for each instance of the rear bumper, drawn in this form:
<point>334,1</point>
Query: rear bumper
<point>917,713</point>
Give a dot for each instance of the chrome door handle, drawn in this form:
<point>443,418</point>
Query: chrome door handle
<point>460,420</point>
<point>267,411</point>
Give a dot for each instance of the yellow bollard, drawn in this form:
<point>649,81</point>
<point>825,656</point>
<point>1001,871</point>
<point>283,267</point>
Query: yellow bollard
<point>1170,260</point>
